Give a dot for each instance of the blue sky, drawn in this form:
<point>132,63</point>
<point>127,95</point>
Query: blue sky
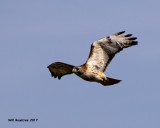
<point>34,34</point>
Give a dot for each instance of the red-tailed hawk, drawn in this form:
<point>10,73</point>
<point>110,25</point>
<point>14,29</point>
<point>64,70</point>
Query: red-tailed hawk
<point>101,53</point>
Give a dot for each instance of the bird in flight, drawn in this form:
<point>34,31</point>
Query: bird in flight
<point>101,53</point>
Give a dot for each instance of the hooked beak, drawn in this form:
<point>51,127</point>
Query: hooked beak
<point>74,70</point>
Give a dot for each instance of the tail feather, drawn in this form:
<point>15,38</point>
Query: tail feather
<point>110,81</point>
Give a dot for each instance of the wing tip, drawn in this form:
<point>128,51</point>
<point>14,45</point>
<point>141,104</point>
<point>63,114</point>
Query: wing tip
<point>134,42</point>
<point>128,35</point>
<point>119,33</point>
<point>59,77</point>
<point>132,38</point>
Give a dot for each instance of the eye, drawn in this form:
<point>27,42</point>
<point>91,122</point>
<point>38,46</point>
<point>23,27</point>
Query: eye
<point>77,69</point>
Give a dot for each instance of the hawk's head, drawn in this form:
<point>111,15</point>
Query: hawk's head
<point>78,70</point>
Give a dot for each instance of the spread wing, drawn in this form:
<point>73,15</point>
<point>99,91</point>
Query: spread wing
<point>103,50</point>
<point>60,69</point>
